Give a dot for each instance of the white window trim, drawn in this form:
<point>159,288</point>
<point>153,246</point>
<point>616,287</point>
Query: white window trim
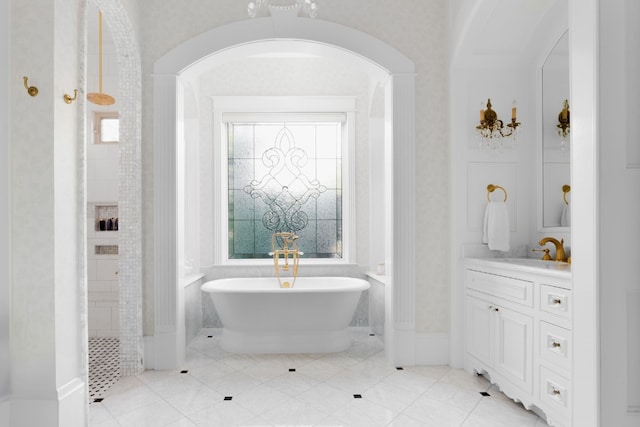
<point>97,125</point>
<point>226,105</point>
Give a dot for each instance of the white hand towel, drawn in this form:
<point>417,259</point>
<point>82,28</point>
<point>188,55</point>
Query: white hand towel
<point>565,218</point>
<point>496,230</point>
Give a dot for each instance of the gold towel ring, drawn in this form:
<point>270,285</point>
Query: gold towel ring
<point>491,188</point>
<point>565,189</point>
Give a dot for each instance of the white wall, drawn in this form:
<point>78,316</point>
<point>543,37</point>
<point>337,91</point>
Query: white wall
<point>618,210</point>
<point>508,72</point>
<point>421,20</point>
<point>264,77</point>
<point>48,386</point>
<point>5,224</point>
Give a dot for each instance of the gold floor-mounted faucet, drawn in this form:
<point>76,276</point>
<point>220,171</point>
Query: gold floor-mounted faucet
<point>287,250</point>
<point>560,255</point>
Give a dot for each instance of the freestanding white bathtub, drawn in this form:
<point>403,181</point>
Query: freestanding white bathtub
<point>260,317</point>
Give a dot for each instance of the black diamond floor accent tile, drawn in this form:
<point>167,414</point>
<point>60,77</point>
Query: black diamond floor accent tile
<point>184,372</point>
<point>484,393</point>
<point>292,369</point>
<point>209,336</point>
<point>399,368</point>
<point>357,396</point>
<point>104,365</point>
<point>372,335</point>
<point>228,397</point>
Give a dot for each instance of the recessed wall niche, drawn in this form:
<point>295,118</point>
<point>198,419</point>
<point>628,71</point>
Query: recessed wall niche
<point>106,217</point>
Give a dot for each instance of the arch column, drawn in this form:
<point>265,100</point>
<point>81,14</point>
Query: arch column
<point>169,334</point>
<point>400,216</point>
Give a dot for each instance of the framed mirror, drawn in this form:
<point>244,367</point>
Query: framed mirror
<point>555,194</point>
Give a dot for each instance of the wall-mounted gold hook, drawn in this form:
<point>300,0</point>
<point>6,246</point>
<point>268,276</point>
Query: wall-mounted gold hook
<point>31,90</point>
<point>69,99</point>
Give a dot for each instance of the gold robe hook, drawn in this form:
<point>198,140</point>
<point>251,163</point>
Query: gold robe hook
<point>68,99</point>
<point>31,90</point>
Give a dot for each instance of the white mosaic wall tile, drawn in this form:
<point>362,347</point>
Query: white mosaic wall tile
<point>117,19</point>
<point>103,286</point>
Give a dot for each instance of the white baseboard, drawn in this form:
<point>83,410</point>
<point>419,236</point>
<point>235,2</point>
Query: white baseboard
<point>432,349</point>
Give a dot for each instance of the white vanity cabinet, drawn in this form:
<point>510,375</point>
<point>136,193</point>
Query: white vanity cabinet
<point>518,331</point>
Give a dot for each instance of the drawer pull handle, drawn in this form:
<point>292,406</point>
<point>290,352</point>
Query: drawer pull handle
<point>556,344</point>
<point>556,301</point>
<point>555,392</point>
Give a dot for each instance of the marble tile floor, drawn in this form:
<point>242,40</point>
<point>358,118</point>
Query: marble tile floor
<point>353,388</point>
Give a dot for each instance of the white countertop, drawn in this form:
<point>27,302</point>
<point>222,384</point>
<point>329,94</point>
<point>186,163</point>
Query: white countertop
<point>529,265</point>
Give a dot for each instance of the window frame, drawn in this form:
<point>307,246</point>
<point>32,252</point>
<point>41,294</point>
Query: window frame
<point>98,116</point>
<point>226,106</point>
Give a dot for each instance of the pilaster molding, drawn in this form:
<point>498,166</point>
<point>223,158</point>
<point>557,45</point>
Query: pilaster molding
<point>165,219</point>
<point>404,217</point>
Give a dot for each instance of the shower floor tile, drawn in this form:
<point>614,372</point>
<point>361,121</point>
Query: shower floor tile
<point>104,365</point>
<point>353,388</point>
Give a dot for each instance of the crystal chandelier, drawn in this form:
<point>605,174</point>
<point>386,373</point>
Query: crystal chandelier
<point>309,7</point>
<point>491,129</point>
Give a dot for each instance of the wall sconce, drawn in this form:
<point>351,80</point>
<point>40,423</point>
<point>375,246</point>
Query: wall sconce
<point>491,129</point>
<point>564,125</point>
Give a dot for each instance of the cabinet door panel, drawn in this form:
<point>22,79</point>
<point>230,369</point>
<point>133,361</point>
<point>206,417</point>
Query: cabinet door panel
<point>514,347</point>
<point>479,329</point>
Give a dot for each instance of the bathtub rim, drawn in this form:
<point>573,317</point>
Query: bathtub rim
<point>226,285</point>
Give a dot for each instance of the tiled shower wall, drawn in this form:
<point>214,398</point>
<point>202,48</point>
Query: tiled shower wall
<point>102,271</point>
<point>102,245</point>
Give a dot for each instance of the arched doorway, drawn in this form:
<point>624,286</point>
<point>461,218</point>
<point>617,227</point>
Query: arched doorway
<point>334,40</point>
<point>130,187</point>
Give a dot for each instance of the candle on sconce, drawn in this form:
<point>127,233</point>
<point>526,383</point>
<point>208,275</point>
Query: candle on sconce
<point>481,115</point>
<point>565,110</point>
<point>513,110</point>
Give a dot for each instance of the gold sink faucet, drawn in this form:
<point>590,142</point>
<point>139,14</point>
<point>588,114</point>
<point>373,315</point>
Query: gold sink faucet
<point>560,256</point>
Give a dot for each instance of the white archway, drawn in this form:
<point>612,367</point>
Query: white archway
<point>130,185</point>
<point>399,153</point>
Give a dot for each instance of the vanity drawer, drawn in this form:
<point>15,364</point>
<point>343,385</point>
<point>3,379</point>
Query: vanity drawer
<point>516,290</point>
<point>555,392</point>
<point>555,300</point>
<point>556,345</point>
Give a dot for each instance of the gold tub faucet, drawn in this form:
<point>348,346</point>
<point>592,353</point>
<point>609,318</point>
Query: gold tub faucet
<point>560,255</point>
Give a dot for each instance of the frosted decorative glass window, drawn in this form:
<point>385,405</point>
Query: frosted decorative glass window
<point>106,127</point>
<point>285,176</point>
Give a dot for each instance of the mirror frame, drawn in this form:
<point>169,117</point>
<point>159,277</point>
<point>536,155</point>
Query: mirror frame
<point>553,41</point>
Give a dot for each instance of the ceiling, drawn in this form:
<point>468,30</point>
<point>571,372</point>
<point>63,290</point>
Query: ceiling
<point>484,30</point>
